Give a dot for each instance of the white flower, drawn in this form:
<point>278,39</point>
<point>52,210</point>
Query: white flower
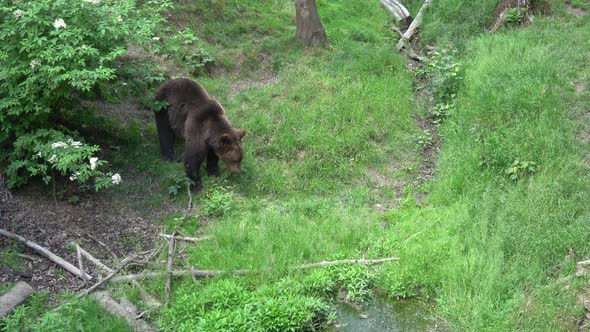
<point>93,161</point>
<point>116,178</point>
<point>119,18</point>
<point>53,159</point>
<point>74,144</point>
<point>18,13</point>
<point>94,2</point>
<point>59,23</point>
<point>73,178</point>
<point>58,145</point>
<point>156,38</point>
<point>35,63</point>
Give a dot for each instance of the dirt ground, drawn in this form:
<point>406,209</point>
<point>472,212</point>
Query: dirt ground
<point>106,229</point>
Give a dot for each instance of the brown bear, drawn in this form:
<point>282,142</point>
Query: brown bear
<point>201,121</point>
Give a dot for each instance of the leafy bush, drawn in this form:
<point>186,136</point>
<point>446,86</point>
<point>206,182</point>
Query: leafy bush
<point>47,151</point>
<point>50,50</point>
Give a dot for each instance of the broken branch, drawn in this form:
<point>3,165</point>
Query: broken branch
<point>168,269</point>
<point>185,238</point>
<point>413,26</point>
<point>107,278</point>
<point>43,251</point>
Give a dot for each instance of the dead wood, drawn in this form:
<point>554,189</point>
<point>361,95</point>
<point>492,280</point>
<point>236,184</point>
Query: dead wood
<point>43,251</point>
<point>215,273</point>
<point>121,266</point>
<point>397,9</point>
<point>80,263</point>
<point>107,302</point>
<point>149,300</point>
<point>186,238</point>
<point>169,268</point>
<point>29,258</point>
<point>15,297</point>
<point>409,34</point>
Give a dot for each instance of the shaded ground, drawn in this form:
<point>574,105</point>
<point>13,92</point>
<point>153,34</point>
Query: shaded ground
<point>107,229</point>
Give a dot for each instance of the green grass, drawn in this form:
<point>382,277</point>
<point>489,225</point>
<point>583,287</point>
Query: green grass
<point>80,315</point>
<point>488,250</point>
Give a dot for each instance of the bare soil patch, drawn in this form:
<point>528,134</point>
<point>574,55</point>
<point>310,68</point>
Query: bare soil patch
<point>577,12</point>
<point>258,80</point>
<point>103,224</point>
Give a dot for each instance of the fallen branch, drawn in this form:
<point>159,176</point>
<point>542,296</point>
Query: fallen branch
<point>409,34</point>
<point>399,12</point>
<point>185,238</point>
<point>149,300</point>
<point>107,302</point>
<point>43,251</point>
<point>169,268</point>
<point>215,273</point>
<point>80,263</point>
<point>29,258</point>
<point>107,278</point>
<point>15,297</point>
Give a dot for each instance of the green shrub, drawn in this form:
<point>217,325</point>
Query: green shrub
<point>52,50</point>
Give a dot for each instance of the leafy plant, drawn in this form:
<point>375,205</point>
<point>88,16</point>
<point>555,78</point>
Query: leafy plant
<point>179,182</point>
<point>48,151</point>
<point>218,201</point>
<point>515,16</point>
<point>49,49</point>
<point>520,169</point>
<point>199,60</point>
<point>425,139</point>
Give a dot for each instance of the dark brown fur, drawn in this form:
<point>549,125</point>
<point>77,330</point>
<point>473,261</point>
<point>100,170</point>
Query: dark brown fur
<point>201,121</point>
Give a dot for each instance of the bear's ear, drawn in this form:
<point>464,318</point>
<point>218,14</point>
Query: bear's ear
<point>242,133</point>
<point>225,139</point>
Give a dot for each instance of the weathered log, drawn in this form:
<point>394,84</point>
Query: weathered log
<point>399,12</point>
<point>15,297</point>
<point>107,302</point>
<point>43,251</point>
<point>409,34</point>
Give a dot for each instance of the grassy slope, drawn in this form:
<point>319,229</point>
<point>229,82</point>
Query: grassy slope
<point>496,248</point>
<point>486,248</point>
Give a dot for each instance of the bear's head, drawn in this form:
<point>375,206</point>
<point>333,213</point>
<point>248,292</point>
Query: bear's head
<point>230,150</point>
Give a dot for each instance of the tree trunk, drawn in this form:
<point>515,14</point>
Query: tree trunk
<point>309,27</point>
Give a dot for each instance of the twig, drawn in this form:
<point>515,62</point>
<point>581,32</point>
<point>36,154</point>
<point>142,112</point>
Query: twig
<point>43,251</point>
<point>145,296</point>
<point>190,199</point>
<point>80,263</point>
<point>107,278</point>
<point>94,260</point>
<point>185,238</point>
<point>30,258</point>
<point>168,269</point>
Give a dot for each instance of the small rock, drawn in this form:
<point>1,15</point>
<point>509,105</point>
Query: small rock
<point>364,316</point>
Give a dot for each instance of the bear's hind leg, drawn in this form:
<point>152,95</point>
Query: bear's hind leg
<point>165,135</point>
<point>193,157</point>
<point>212,163</point>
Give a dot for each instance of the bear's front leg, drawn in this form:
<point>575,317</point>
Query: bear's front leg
<point>212,163</point>
<point>193,157</point>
